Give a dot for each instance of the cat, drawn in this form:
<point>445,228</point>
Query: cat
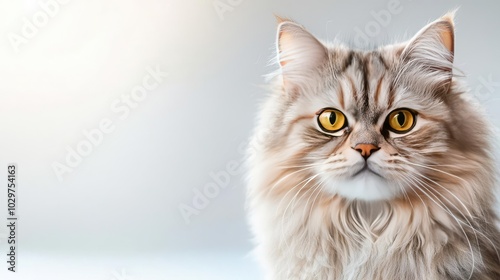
<point>372,164</point>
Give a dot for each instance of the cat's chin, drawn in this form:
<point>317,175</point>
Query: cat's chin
<point>364,185</point>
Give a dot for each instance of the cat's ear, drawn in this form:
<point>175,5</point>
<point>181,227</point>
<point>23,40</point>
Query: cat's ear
<point>299,53</point>
<point>429,54</point>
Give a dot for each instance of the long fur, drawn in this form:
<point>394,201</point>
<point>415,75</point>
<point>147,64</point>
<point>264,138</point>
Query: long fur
<point>436,218</point>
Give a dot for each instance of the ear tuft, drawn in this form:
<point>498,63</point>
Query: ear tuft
<point>436,36</point>
<point>280,19</point>
<point>430,53</point>
<point>299,52</point>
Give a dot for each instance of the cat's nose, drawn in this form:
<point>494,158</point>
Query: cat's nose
<point>366,149</point>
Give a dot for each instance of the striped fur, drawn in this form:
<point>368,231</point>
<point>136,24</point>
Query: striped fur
<point>428,214</point>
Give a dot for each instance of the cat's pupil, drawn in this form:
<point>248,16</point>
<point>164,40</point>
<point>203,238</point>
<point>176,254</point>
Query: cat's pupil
<point>401,119</point>
<point>333,118</point>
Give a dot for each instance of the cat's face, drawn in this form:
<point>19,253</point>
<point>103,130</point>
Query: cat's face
<point>368,133</point>
<point>367,125</point>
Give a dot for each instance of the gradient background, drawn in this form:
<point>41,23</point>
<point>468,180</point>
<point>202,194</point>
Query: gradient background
<point>116,215</point>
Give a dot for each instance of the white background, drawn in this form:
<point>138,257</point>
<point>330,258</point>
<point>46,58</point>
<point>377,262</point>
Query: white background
<point>116,214</point>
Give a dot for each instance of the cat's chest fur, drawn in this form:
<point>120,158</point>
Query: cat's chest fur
<point>339,240</point>
<point>393,124</point>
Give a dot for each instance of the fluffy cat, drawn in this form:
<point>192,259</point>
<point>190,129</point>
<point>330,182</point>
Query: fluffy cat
<point>372,164</point>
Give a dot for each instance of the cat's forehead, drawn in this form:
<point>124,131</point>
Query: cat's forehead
<point>363,85</point>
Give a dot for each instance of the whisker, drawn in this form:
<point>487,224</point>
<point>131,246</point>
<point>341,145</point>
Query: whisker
<point>405,194</point>
<point>314,201</point>
<point>308,179</point>
<point>451,203</point>
<point>299,166</point>
<point>438,170</point>
<point>317,186</point>
<point>453,216</point>
<point>288,175</point>
<point>297,193</point>
<point>461,213</point>
<point>411,188</point>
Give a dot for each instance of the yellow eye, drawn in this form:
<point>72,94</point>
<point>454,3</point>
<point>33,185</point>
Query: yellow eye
<point>401,120</point>
<point>331,120</point>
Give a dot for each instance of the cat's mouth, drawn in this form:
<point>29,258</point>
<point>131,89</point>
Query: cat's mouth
<point>366,171</point>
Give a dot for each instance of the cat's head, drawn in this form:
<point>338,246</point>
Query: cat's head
<point>369,124</point>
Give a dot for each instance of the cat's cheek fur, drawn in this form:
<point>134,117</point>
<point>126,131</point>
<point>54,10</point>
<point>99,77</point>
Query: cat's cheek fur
<point>308,226</point>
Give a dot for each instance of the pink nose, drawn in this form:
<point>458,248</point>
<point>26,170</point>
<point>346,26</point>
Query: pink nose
<point>366,149</point>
